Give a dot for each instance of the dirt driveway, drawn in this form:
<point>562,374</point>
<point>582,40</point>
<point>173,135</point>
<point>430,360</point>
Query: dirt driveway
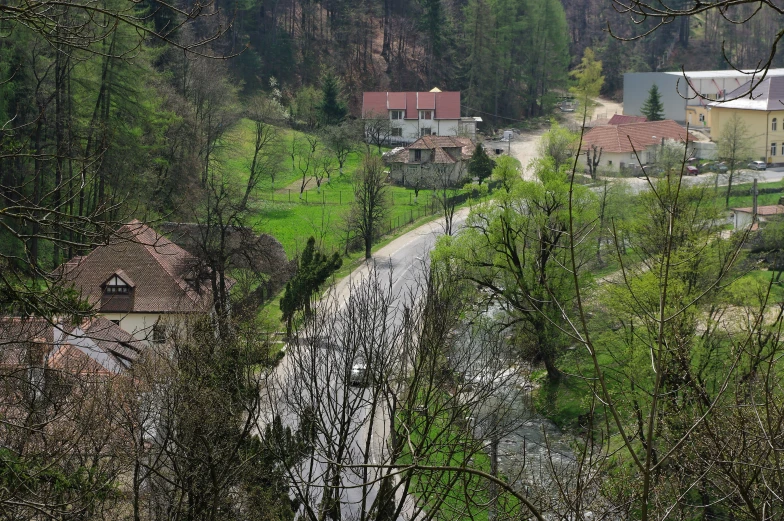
<point>525,146</point>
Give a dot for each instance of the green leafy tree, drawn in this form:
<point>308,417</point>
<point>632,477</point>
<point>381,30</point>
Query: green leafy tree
<point>558,143</point>
<point>313,270</point>
<point>516,248</point>
<point>480,165</point>
<point>653,108</point>
<point>589,81</point>
<point>305,107</point>
<point>332,108</point>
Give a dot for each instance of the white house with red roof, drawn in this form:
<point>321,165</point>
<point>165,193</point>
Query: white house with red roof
<point>412,115</point>
<point>139,279</point>
<point>622,145</point>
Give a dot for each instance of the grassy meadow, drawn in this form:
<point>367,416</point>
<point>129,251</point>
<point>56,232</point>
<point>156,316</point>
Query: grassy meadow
<point>291,219</point>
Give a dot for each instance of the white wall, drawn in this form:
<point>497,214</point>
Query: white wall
<point>410,128</point>
<point>138,324</point>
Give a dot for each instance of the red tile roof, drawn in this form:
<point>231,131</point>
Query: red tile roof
<point>445,104</point>
<point>772,209</point>
<point>438,144</point>
<point>96,345</point>
<point>634,136</point>
<point>620,119</point>
<point>426,100</point>
<point>157,267</point>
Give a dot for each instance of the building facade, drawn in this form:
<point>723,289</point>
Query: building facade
<point>679,92</point>
<point>411,115</point>
<point>762,114</point>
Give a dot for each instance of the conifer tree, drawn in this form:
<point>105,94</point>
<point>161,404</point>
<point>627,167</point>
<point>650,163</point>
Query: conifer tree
<point>480,165</point>
<point>653,108</point>
<point>314,269</point>
<point>332,108</point>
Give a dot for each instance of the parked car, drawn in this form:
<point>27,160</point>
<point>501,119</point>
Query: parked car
<point>359,373</point>
<point>758,165</point>
<point>691,170</point>
<point>721,167</point>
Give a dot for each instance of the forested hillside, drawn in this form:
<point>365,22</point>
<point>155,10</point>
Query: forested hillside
<point>120,120</point>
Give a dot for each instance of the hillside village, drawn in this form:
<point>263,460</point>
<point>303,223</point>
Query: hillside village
<point>391,261</point>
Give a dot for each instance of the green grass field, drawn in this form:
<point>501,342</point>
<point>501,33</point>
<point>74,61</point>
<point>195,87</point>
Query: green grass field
<point>292,218</point>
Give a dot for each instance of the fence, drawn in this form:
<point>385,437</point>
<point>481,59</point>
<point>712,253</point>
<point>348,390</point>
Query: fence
<point>431,207</point>
<point>341,197</point>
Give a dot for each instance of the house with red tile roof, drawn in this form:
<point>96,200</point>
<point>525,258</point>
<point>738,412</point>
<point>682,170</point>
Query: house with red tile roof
<point>622,145</point>
<point>96,347</point>
<point>412,115</point>
<point>742,218</point>
<point>431,160</point>
<point>139,279</point>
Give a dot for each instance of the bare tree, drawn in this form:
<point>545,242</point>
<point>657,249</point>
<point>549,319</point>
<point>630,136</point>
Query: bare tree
<point>267,115</point>
<point>370,201</point>
<point>378,129</point>
<point>324,167</point>
<point>735,12</point>
<point>734,148</point>
<point>342,139</point>
<point>400,395</point>
<point>445,179</point>
<point>592,157</point>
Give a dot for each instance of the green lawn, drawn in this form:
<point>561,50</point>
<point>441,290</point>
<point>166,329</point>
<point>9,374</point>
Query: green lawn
<point>292,218</point>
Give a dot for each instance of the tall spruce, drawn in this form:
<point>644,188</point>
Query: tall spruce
<point>332,108</point>
<point>653,108</point>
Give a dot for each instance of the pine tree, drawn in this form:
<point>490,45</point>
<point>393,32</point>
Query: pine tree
<point>653,108</point>
<point>332,108</point>
<point>480,165</point>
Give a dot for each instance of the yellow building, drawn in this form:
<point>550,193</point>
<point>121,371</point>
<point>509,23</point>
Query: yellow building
<point>762,113</point>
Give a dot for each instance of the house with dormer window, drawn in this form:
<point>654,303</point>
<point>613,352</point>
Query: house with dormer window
<point>139,280</point>
<point>431,161</point>
<point>412,115</point>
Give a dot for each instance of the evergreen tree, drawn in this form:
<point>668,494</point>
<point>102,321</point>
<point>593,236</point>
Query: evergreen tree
<point>313,270</point>
<point>332,108</point>
<point>653,108</point>
<point>480,165</point>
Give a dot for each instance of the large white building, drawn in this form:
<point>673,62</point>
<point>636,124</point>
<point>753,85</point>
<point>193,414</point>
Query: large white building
<point>412,115</point>
<point>685,96</point>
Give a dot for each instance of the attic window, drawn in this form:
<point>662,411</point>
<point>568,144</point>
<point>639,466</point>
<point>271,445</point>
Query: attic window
<point>396,114</point>
<point>116,286</point>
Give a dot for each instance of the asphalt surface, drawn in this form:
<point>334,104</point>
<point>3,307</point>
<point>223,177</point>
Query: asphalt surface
<point>401,262</point>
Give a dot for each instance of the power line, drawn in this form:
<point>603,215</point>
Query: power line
<point>490,113</point>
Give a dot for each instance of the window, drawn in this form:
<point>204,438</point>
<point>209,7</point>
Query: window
<point>115,322</point>
<point>773,149</point>
<point>397,132</point>
<point>773,124</point>
<point>425,114</point>
<point>424,131</point>
<point>116,286</point>
<point>609,163</point>
<point>417,155</point>
<point>702,117</point>
<point>396,114</point>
